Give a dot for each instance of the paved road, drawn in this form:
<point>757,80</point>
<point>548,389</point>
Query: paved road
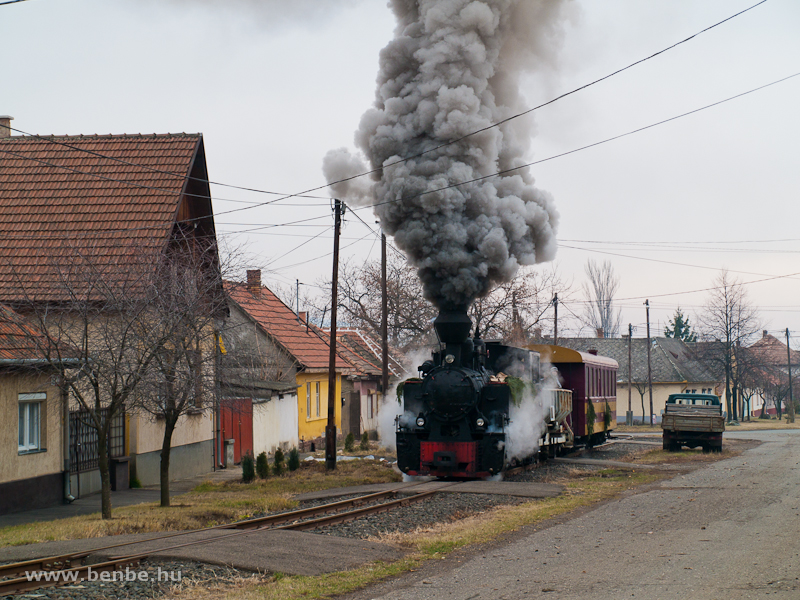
<point>730,530</point>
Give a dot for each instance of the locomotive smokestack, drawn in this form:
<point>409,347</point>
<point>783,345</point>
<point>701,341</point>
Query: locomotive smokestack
<point>453,326</point>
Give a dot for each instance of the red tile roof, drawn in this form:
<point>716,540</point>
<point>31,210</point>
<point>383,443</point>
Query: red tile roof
<point>19,341</point>
<point>772,351</point>
<point>364,352</point>
<point>305,344</point>
<point>61,197</point>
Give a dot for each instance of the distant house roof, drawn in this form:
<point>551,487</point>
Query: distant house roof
<point>364,352</point>
<point>304,343</point>
<point>21,342</point>
<point>95,197</point>
<point>772,351</point>
<point>671,359</point>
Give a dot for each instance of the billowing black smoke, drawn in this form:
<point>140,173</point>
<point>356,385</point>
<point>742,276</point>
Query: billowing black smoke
<point>452,69</point>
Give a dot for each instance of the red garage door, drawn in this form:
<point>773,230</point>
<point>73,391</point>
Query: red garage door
<point>237,424</point>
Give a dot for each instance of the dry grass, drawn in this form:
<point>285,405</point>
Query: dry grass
<point>437,542</point>
<point>684,456</point>
<point>207,505</point>
<point>753,425</point>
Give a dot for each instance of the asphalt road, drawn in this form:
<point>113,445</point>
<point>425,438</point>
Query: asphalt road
<point>726,531</point>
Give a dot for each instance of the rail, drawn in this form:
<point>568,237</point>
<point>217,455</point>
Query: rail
<point>298,520</point>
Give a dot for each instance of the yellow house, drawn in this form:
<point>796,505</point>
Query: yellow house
<point>312,410</point>
<point>284,347</point>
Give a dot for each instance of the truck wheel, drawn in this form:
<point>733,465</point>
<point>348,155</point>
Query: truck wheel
<point>706,448</point>
<point>666,445</point>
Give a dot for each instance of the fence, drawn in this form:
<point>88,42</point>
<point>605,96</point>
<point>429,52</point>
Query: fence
<point>83,443</point>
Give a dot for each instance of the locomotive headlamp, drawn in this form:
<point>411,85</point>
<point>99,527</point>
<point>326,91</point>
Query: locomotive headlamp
<point>420,421</point>
<point>449,359</point>
<point>480,422</point>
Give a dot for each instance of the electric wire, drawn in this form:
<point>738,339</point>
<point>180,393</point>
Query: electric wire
<point>412,157</point>
<point>581,148</point>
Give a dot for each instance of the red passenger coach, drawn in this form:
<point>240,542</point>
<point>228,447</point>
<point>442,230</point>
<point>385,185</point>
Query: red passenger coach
<point>593,381</point>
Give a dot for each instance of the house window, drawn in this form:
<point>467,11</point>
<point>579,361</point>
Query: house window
<point>318,398</point>
<point>30,418</point>
<point>308,400</point>
<point>370,410</point>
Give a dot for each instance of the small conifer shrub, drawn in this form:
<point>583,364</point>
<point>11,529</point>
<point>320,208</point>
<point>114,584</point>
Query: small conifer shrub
<point>248,468</point>
<point>262,466</point>
<point>294,460</point>
<point>277,464</point>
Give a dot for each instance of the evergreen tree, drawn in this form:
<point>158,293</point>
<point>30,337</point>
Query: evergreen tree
<point>680,328</point>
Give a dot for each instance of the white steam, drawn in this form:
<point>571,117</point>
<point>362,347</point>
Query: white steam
<point>453,69</point>
<point>528,420</point>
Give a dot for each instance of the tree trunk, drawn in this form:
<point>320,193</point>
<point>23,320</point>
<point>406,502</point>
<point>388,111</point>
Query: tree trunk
<point>728,393</point>
<point>166,448</point>
<point>105,473</point>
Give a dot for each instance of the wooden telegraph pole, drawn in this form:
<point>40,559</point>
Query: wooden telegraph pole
<point>384,321</point>
<point>629,415</point>
<point>555,319</point>
<point>649,369</point>
<point>330,429</point>
<point>790,416</point>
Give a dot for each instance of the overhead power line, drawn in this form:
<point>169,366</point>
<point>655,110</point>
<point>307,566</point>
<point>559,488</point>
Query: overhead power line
<point>11,2</point>
<point>581,148</point>
<point>305,193</point>
<point>667,262</point>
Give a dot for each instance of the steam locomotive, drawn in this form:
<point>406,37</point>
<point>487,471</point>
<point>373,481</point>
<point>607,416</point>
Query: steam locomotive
<point>463,414</point>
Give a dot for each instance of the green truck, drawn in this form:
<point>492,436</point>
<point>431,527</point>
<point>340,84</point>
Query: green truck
<point>693,420</point>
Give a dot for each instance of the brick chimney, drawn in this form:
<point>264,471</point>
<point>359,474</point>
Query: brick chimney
<point>764,333</point>
<point>5,123</point>
<point>600,333</point>
<point>303,316</point>
<point>254,281</point>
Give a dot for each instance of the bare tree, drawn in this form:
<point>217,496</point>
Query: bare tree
<point>410,315</point>
<point>180,379</point>
<point>599,292</point>
<point>730,320</point>
<point>513,310</point>
<point>101,338</point>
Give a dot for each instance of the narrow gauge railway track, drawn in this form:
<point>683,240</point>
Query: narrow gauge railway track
<point>298,520</point>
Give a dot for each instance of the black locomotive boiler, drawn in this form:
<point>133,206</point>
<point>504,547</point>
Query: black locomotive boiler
<point>456,414</point>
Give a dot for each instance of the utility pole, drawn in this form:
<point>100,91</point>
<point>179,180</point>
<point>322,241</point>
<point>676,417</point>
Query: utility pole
<point>330,429</point>
<point>384,321</point>
<point>649,369</point>
<point>555,320</point>
<point>298,300</point>
<point>629,414</point>
<point>790,416</point>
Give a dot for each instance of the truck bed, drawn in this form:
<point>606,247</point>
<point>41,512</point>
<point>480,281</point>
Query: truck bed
<point>706,419</point>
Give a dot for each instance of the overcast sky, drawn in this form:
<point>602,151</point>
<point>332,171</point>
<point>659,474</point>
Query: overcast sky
<point>274,88</point>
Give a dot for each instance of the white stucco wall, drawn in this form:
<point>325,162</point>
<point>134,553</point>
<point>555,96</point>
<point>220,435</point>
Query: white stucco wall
<point>275,424</point>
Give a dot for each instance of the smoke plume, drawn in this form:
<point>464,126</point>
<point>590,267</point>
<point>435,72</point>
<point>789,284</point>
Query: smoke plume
<point>452,69</point>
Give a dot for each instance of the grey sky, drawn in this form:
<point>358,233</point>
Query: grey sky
<point>273,89</point>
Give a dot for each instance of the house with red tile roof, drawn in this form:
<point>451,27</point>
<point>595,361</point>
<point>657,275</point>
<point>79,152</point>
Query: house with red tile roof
<point>769,359</point>
<point>73,212</point>
<point>32,439</point>
<point>362,387</point>
<point>266,341</point>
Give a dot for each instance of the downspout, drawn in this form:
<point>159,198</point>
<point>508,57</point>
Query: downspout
<point>68,497</point>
